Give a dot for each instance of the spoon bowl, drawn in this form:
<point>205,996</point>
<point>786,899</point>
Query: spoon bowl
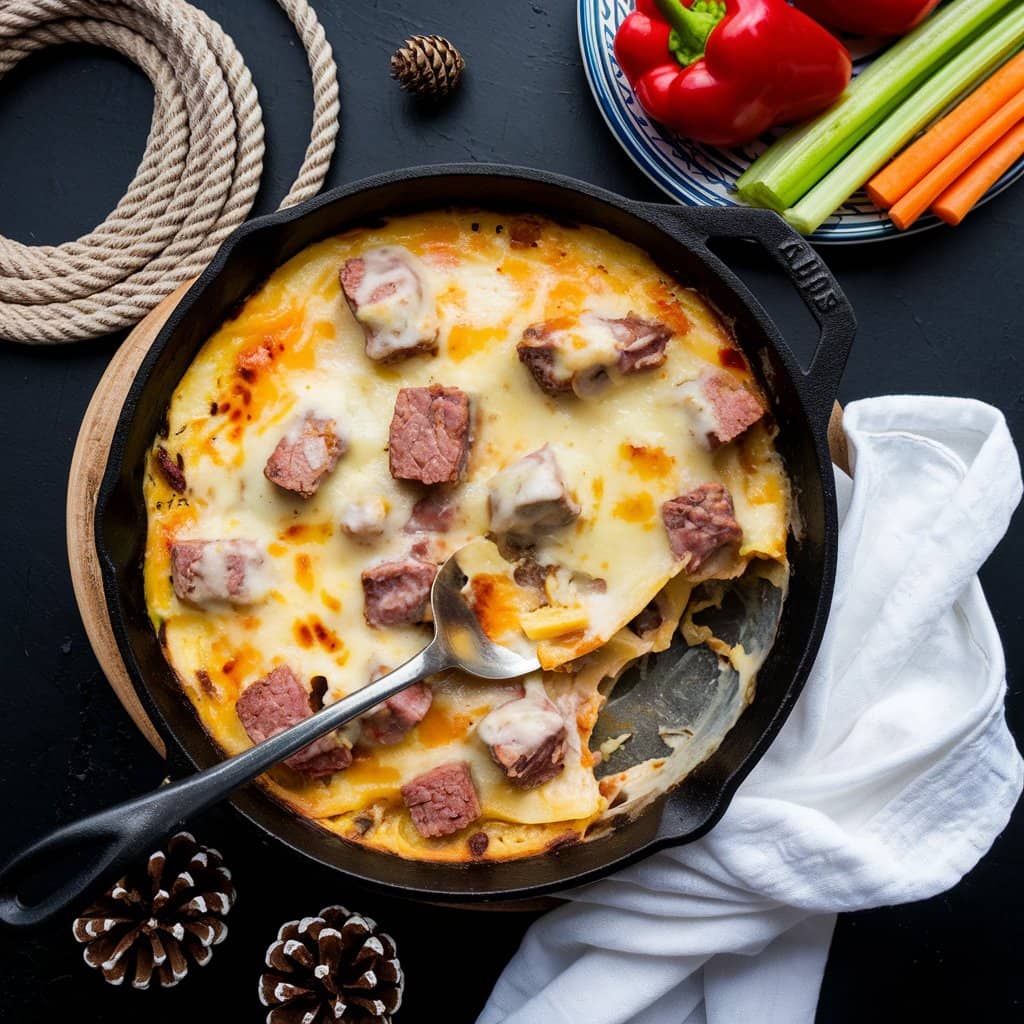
<point>458,633</point>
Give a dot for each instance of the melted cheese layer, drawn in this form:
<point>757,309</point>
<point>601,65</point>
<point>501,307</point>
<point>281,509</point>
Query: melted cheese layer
<point>294,350</point>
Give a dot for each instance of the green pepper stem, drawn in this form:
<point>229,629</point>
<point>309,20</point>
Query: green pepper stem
<point>691,26</point>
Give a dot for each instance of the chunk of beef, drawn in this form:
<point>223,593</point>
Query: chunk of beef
<point>641,343</point>
<point>587,584</point>
<point>569,354</point>
<point>443,800</point>
<point>421,549</point>
<point>387,290</point>
<point>278,701</point>
<point>531,574</point>
<point>429,437</point>
<point>364,519</point>
<point>305,455</point>
<point>394,718</point>
<point>524,232</point>
<point>720,408</point>
<point>537,354</point>
<point>648,620</point>
<point>530,497</point>
<point>432,514</point>
<point>397,592</point>
<point>577,353</point>
<point>171,469</point>
<point>218,570</point>
<point>527,738</point>
<point>700,523</point>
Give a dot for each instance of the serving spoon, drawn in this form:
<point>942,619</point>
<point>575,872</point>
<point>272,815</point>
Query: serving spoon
<point>112,839</point>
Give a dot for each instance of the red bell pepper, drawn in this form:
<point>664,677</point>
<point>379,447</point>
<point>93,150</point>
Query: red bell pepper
<point>869,17</point>
<point>725,71</point>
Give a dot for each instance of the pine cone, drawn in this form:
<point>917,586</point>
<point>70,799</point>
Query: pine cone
<point>428,65</point>
<point>160,917</point>
<point>335,967</point>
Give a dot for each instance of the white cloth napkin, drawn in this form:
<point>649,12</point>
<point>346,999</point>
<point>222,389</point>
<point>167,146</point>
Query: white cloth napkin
<point>891,779</point>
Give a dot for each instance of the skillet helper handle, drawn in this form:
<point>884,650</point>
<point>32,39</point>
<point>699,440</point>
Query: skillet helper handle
<point>809,275</point>
<point>107,843</point>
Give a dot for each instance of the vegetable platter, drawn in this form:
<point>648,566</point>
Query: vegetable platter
<point>932,119</point>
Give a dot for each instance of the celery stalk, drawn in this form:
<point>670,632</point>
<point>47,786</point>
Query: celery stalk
<point>791,167</point>
<point>977,61</point>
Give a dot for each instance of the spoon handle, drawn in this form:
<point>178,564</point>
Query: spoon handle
<point>106,843</point>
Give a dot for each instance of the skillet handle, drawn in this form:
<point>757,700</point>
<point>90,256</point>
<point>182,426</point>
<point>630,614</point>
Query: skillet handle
<point>103,845</point>
<point>107,843</point>
<point>807,272</point>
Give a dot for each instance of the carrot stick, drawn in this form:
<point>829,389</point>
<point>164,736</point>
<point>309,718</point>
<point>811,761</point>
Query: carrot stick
<point>939,141</point>
<point>933,184</point>
<point>960,198</point>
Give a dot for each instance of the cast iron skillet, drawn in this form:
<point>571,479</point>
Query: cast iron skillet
<point>676,237</point>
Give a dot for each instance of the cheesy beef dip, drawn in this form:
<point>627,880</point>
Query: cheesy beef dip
<point>392,394</point>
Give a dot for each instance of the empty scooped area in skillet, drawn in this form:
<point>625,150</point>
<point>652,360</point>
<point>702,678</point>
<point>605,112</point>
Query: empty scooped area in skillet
<point>254,256</point>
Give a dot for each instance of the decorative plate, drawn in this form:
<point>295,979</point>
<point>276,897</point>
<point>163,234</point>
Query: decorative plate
<point>699,175</point>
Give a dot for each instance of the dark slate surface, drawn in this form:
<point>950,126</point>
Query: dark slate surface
<point>939,314</point>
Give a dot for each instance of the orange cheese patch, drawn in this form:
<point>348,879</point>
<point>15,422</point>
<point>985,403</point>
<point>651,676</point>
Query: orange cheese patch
<point>465,340</point>
<point>669,310</point>
<point>366,770</point>
<point>568,294</point>
<point>441,725</point>
<point>304,572</point>
<point>232,667</point>
<point>648,463</point>
<point>497,603</point>
<point>635,508</point>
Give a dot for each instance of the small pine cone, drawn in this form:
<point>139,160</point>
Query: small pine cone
<point>428,65</point>
<point>334,967</point>
<point>159,917</point>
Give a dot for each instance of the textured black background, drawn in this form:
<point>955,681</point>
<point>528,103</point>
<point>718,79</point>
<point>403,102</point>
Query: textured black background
<point>938,314</point>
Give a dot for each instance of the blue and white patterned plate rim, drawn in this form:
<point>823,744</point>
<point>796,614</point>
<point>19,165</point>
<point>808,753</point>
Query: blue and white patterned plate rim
<point>698,175</point>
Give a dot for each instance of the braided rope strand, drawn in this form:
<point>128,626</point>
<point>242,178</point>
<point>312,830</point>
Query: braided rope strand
<point>198,176</point>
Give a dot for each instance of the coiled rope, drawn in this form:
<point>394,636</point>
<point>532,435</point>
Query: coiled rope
<point>197,180</point>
